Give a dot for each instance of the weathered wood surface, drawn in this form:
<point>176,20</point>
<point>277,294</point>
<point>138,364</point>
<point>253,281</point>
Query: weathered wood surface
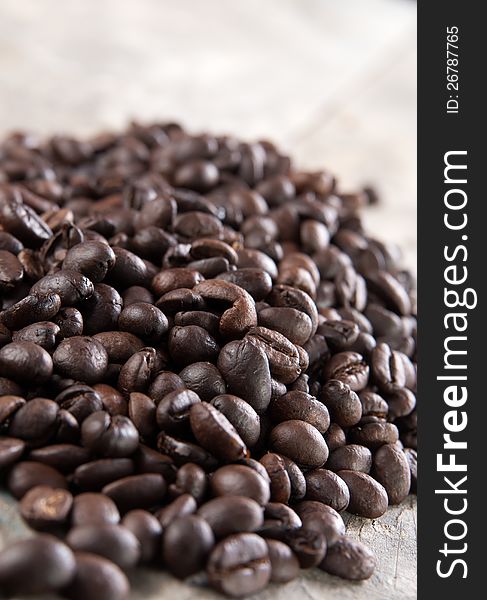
<point>333,82</point>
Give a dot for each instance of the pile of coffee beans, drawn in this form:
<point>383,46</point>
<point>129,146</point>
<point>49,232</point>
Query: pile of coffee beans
<point>204,359</point>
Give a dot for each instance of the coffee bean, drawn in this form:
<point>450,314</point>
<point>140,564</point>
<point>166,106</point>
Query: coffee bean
<point>25,362</point>
<point>97,578</point>
<point>11,270</point>
<point>137,371</point>
<point>296,478</point>
<point>257,282</point>
<point>325,486</point>
<point>119,345</point>
<point>300,406</point>
<point>335,437</point>
<point>83,358</point>
<point>278,520</point>
<point>284,564</point>
<point>232,514</point>
<point>184,505</point>
<point>93,259</point>
<point>136,491</point>
<point>102,310</point>
<point>367,497</point>
<point>94,509</point>
<point>44,507</point>
<point>239,565</point>
<point>349,559</point>
<point>114,542</point>
<point>186,545</point>
<point>11,449</point>
<point>349,368</point>
<point>301,442</point>
<point>190,479</point>
<point>64,457</point>
<point>351,457</point>
<point>391,469</point>
<point>374,435</point>
<point>27,474</point>
<point>411,457</point>
<point>283,357</point>
<point>71,286</point>
<point>309,546</point>
<point>36,566</point>
<point>181,452</point>
<point>43,333</point>
<point>241,415</point>
<point>280,483</point>
<point>96,474</point>
<point>35,420</point>
<point>240,480</point>
<point>192,344</point>
<point>321,518</point>
<point>114,437</point>
<point>143,320</point>
<point>31,309</point>
<point>344,404</point>
<point>148,531</point>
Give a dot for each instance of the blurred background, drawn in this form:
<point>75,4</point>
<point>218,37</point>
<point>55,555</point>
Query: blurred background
<point>333,82</point>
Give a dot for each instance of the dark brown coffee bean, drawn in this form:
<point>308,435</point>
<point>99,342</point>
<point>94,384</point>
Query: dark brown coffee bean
<point>31,309</point>
<point>102,310</point>
<point>148,460</point>
<point>114,437</point>
<point>192,344</point>
<point>300,406</point>
<point>241,415</point>
<point>294,324</point>
<point>94,509</point>
<point>215,433</point>
<point>204,379</point>
<point>28,474</point>
<point>296,478</point>
<point>43,333</point>
<point>367,497</point>
<point>412,458</point>
<point>11,449</point>
<point>374,435</point>
<point>114,542</point>
<point>10,243</point>
<point>182,506</point>
<point>44,507</point>
<point>81,358</point>
<point>235,361</point>
<point>99,473</point>
<point>181,452</point>
<point>280,483</point>
<point>137,372</point>
<point>232,514</point>
<point>25,362</point>
<point>71,286</point>
<point>283,356</point>
<point>11,271</point>
<point>80,401</point>
<point>36,420</point>
<point>64,457</point>
<point>257,282</point>
<point>128,270</point>
<point>148,531</point>
<point>325,486</point>
<point>143,320</point>
<point>112,400</point>
<point>173,410</point>
<point>344,404</point>
<point>321,518</point>
<point>190,479</point>
<point>142,413</point>
<point>239,565</point>
<point>119,345</point>
<point>391,469</point>
<point>335,437</point>
<point>97,578</point>
<point>278,519</point>
<point>164,383</point>
<point>22,222</point>
<point>349,368</point>
<point>351,458</point>
<point>9,405</point>
<point>349,559</point>
<point>284,564</point>
<point>36,566</point>
<point>93,259</point>
<point>137,491</point>
<point>309,546</point>
<point>301,442</point>
<point>186,545</point>
<point>240,480</point>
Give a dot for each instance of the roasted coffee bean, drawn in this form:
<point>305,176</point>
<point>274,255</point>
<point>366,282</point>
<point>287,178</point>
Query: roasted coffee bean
<point>82,358</point>
<point>391,469</point>
<point>112,400</point>
<point>28,474</point>
<point>128,270</point>
<point>184,505</point>
<point>137,491</point>
<point>190,479</point>
<point>280,483</point>
<point>301,442</point>
<point>239,565</point>
<point>21,221</point>
<point>44,507</point>
<point>173,279</point>
<point>283,356</point>
<point>296,478</point>
<point>10,243</point>
<point>192,344</point>
<point>148,460</point>
<point>36,566</point>
<point>351,457</point>
<point>278,519</point>
<point>204,379</point>
<point>164,383</point>
<point>401,403</point>
<point>257,282</point>
<point>349,559</point>
<point>137,371</point>
<point>241,415</point>
<point>339,335</point>
<point>374,407</point>
<point>325,486</point>
<point>232,514</point>
<point>79,400</point>
<point>114,542</point>
<point>64,457</point>
<point>137,293</point>
<point>186,545</point>
<point>412,458</point>
<point>343,403</point>
<point>71,286</point>
<point>119,345</point>
<point>335,437</point>
<point>367,497</point>
<point>309,546</point>
<point>32,308</point>
<point>173,410</point>
<point>102,310</point>
<point>143,320</point>
<point>35,420</point>
<point>182,452</point>
<point>11,449</point>
<point>294,324</point>
<point>114,437</point>
<point>96,578</point>
<point>96,474</point>
<point>300,406</point>
<point>215,433</point>
<point>25,362</point>
<point>142,413</point>
<point>94,509</point>
<point>322,518</point>
<point>240,480</point>
<point>148,531</point>
<point>284,564</point>
<point>349,368</point>
<point>235,361</point>
<point>43,333</point>
<point>9,405</point>
<point>391,370</point>
<point>374,435</point>
<point>11,271</point>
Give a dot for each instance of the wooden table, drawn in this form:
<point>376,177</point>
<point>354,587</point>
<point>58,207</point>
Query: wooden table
<point>332,82</point>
